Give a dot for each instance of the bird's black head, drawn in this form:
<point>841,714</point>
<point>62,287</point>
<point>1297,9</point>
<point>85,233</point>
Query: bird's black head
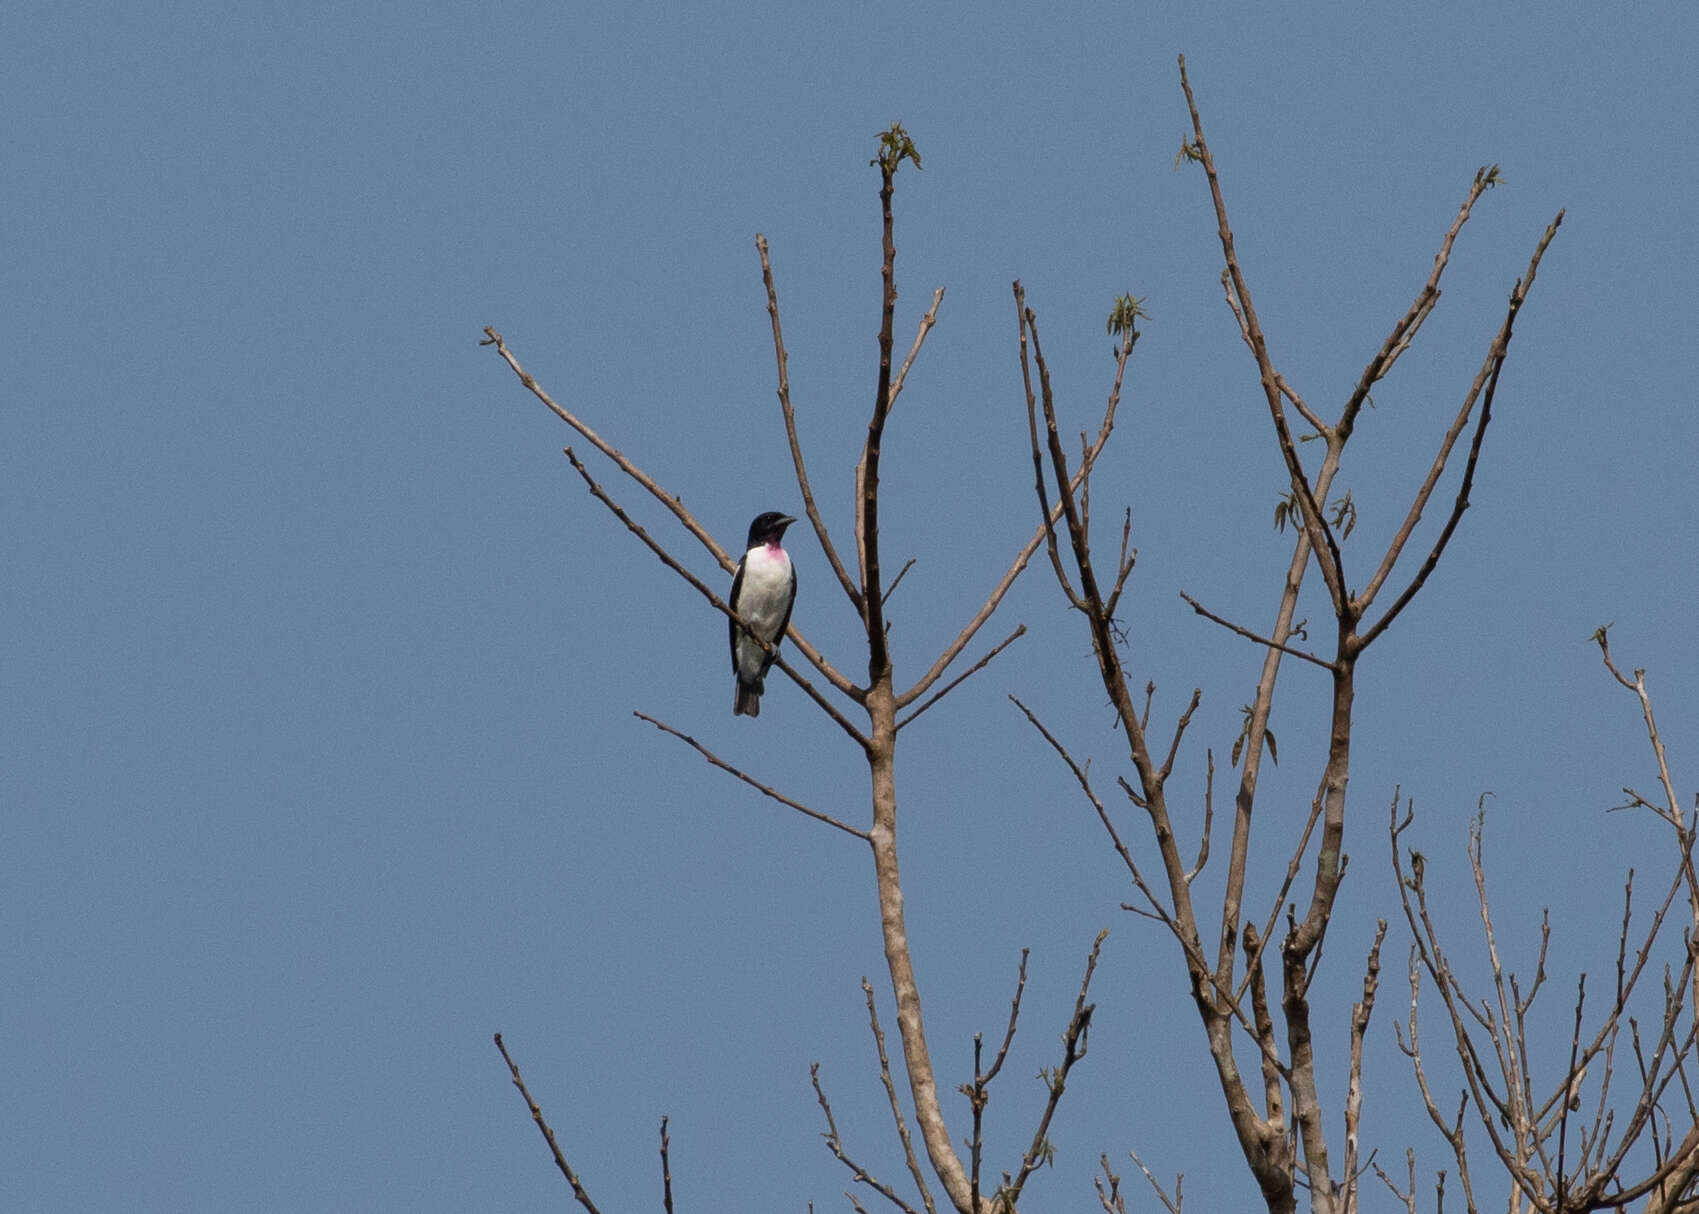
<point>768,528</point>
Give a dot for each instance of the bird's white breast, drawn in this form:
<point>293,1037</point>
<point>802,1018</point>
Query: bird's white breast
<point>766,589</point>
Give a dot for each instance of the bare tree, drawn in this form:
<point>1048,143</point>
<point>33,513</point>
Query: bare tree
<point>1589,1141</point>
<point>1281,1125</point>
<point>885,710</point>
<point>1293,1139</point>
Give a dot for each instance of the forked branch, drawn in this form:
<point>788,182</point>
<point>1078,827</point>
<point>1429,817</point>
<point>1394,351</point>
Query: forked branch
<point>1290,1088</point>
<point>1560,1157</point>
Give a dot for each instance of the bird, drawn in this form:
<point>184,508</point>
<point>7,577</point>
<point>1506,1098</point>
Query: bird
<point>763,592</point>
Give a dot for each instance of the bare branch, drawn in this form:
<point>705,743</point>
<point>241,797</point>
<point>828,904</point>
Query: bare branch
<point>1046,512</point>
<point>1581,1169</point>
<point>1399,339</point>
<point>691,524</point>
<point>954,649</point>
<point>724,608</point>
<point>964,676</point>
<point>1487,376</point>
<point>1262,707</point>
<point>1321,537</point>
<point>1273,1099</point>
<point>1638,687</point>
<point>1179,732</point>
<point>891,1095</point>
<point>1073,1049</point>
<point>759,787</point>
<point>783,360</point>
<point>1360,1013</point>
<point>1014,1019</point>
<point>1251,636</point>
<point>1570,1097</point>
<point>1110,1198</point>
<point>867,471</point>
<point>835,1144</point>
<point>1157,909</point>
<point>1172,1206</point>
<point>977,1099</point>
<point>1208,818</point>
<point>895,147</point>
<point>926,323</point>
<point>978,1092</point>
<point>1293,865</point>
<point>1045,531</point>
<point>666,1171</point>
<point>1262,1142</point>
<point>548,1134</point>
<point>1286,390</point>
<point>1129,555</point>
<point>901,574</point>
<point>673,504</point>
<point>1406,1197</point>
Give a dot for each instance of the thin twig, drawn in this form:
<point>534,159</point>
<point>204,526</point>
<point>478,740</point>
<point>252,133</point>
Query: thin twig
<point>759,787</point>
<point>1293,865</point>
<point>1406,1198</point>
<point>1074,1041</point>
<point>1360,1014</point>
<point>966,674</point>
<point>1309,415</point>
<point>1045,531</point>
<point>1405,330</point>
<point>954,649</point>
<point>1110,1199</point>
<point>1173,1207</point>
<point>1128,559</point>
<point>891,1095</point>
<point>1179,732</point>
<point>1252,636</point>
<point>836,1145</point>
<point>1321,536</point>
<point>1638,687</point>
<point>901,573</point>
<point>977,1100</point>
<point>926,323</point>
<point>670,501</point>
<point>1158,911</point>
<point>1046,511</point>
<point>548,1134</point>
<point>978,1092</point>
<point>1014,1019</point>
<point>807,490</point>
<point>666,1171</point>
<point>1487,376</point>
<point>1208,817</point>
<point>1188,945</point>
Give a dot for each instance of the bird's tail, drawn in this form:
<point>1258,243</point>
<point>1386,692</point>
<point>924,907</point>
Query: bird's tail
<point>748,702</point>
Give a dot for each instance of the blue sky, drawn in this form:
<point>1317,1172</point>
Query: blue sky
<point>319,762</point>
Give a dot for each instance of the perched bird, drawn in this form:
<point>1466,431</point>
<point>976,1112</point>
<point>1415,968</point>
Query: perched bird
<point>763,593</point>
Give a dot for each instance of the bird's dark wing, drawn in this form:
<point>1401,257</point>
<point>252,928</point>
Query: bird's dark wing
<point>737,590</point>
